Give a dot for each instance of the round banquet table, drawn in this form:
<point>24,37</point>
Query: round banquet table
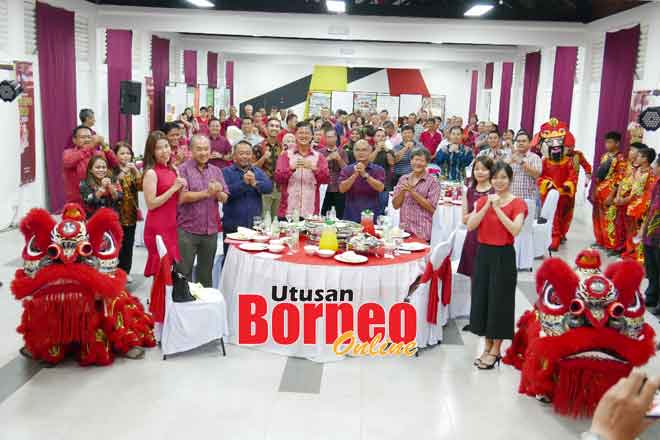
<point>380,280</point>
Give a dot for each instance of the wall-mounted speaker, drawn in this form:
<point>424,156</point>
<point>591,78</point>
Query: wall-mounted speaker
<point>129,97</point>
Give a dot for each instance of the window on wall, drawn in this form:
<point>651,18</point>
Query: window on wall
<point>30,26</point>
<point>641,51</point>
<point>597,54</point>
<point>4,24</point>
<point>81,26</point>
<point>486,97</point>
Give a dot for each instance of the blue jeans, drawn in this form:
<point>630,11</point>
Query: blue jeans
<point>383,198</point>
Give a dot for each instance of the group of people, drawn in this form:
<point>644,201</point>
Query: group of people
<point>257,165</point>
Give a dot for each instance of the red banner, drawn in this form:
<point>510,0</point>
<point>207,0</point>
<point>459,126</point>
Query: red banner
<point>151,114</point>
<point>25,78</point>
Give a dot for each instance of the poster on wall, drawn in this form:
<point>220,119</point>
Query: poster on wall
<point>24,76</point>
<point>389,103</point>
<point>342,101</point>
<point>175,101</point>
<point>151,115</point>
<point>365,102</point>
<point>410,104</point>
<point>318,100</point>
<point>435,105</point>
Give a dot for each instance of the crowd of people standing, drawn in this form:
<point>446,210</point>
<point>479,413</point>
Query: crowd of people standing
<point>274,164</point>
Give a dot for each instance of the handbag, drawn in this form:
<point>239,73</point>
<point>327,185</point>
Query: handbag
<point>180,288</point>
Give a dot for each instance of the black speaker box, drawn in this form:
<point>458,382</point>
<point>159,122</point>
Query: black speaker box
<point>129,97</point>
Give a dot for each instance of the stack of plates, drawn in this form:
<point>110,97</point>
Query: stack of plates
<point>351,258</point>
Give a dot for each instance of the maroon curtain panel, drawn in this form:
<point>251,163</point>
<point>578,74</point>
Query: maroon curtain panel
<point>190,67</point>
<point>212,69</point>
<point>562,84</point>
<point>530,89</point>
<point>160,70</point>
<point>119,59</point>
<point>505,96</point>
<point>57,84</point>
<point>488,81</point>
<point>229,78</point>
<point>616,86</point>
<point>473,93</point>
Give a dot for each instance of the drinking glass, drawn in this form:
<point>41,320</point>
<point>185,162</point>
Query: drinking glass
<point>389,249</point>
<point>294,242</point>
<point>381,220</point>
<point>257,223</point>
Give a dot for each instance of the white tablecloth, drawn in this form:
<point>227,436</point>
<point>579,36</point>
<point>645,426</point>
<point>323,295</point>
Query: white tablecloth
<point>447,218</point>
<point>246,273</point>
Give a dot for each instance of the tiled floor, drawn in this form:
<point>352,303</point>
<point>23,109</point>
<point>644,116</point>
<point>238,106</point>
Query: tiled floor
<point>254,395</point>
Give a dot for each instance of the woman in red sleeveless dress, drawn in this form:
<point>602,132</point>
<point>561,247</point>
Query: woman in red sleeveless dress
<point>161,185</point>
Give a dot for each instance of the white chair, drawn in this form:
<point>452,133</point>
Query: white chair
<point>524,244</point>
<point>189,325</point>
<point>542,233</point>
<point>429,333</point>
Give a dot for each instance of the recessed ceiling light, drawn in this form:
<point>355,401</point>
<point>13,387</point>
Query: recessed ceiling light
<point>202,3</point>
<point>337,6</point>
<point>478,10</point>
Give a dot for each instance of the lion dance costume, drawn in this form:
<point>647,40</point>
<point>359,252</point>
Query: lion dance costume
<point>586,331</point>
<point>74,300</point>
<point>559,174</point>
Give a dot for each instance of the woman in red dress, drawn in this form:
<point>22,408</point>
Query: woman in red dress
<point>161,184</point>
<point>498,219</point>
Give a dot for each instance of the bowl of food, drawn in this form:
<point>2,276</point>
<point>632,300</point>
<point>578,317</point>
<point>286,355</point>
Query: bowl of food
<point>261,238</point>
<point>311,249</point>
<point>325,253</point>
<point>276,248</point>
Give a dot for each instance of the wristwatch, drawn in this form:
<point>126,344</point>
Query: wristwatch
<point>591,436</point>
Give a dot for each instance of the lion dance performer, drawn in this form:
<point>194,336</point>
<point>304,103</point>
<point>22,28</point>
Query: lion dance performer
<point>74,298</point>
<point>586,331</point>
<point>559,174</point>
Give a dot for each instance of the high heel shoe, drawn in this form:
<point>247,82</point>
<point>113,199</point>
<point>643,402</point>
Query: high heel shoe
<point>485,366</point>
<point>477,361</point>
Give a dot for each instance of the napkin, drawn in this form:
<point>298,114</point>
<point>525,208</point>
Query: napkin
<point>246,231</point>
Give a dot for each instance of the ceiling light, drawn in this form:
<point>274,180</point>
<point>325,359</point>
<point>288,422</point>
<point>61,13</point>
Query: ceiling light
<point>337,6</point>
<point>478,10</point>
<point>202,3</point>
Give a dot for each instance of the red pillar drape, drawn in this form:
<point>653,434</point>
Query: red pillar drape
<point>488,80</point>
<point>119,60</point>
<point>562,84</point>
<point>505,96</point>
<point>473,93</point>
<point>212,69</point>
<point>57,83</point>
<point>190,67</point>
<point>616,86</point>
<point>229,79</point>
<point>160,68</point>
<point>530,89</point>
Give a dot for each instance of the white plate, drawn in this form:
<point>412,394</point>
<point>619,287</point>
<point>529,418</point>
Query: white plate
<point>238,236</point>
<point>358,259</point>
<point>253,247</point>
<point>413,247</point>
<point>403,234</point>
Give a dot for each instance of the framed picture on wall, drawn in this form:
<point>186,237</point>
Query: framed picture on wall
<point>318,100</point>
<point>365,102</point>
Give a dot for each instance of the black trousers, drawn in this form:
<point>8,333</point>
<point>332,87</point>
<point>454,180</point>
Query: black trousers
<point>652,266</point>
<point>335,199</point>
<point>494,280</point>
<point>126,251</point>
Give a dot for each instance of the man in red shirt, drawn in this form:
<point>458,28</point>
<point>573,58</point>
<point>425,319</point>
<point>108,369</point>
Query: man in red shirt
<point>291,122</point>
<point>221,151</point>
<point>431,137</point>
<point>233,119</point>
<point>202,122</point>
<point>76,159</point>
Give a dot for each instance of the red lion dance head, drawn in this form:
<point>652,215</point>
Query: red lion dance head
<point>555,135</point>
<point>586,331</point>
<point>73,295</point>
